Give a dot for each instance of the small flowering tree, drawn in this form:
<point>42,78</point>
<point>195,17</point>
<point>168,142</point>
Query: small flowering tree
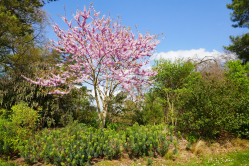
<point>103,55</point>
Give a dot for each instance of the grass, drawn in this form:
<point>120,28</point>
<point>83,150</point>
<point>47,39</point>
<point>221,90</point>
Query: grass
<point>235,158</point>
<point>238,157</point>
<point>234,153</point>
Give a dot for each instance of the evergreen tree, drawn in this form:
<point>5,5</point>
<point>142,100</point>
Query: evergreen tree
<point>240,15</point>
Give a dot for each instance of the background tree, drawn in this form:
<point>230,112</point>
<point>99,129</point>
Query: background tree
<point>23,50</point>
<point>240,15</point>
<point>116,109</point>
<point>170,79</point>
<point>14,89</point>
<point>22,25</point>
<point>82,107</point>
<point>21,28</point>
<point>152,109</point>
<point>214,107</point>
<point>212,103</point>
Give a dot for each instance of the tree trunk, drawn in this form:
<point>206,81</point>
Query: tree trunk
<point>97,102</point>
<point>104,116</point>
<point>154,118</point>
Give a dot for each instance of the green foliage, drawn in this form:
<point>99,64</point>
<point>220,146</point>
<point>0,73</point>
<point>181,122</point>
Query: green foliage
<point>170,81</point>
<point>116,108</point>
<point>150,162</point>
<point>113,126</point>
<point>23,51</point>
<point>148,140</point>
<point>210,107</point>
<point>240,46</point>
<point>18,21</point>
<point>6,135</point>
<point>237,75</point>
<point>69,147</point>
<point>153,109</point>
<point>139,117</point>
<point>84,144</point>
<point>24,116</point>
<point>14,88</point>
<point>17,126</point>
<point>83,110</point>
<point>193,137</point>
<point>241,17</point>
<point>240,12</point>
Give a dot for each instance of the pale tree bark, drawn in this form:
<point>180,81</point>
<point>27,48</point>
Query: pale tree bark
<point>104,97</point>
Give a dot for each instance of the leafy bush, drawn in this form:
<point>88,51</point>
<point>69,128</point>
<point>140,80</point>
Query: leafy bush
<point>6,135</point>
<point>212,107</point>
<point>153,110</point>
<point>113,126</point>
<point>192,137</point>
<point>171,78</point>
<point>23,116</point>
<point>16,126</point>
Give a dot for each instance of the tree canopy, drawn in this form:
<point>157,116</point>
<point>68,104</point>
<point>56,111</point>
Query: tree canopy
<point>240,15</point>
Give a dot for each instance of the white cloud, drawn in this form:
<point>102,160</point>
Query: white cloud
<point>172,55</point>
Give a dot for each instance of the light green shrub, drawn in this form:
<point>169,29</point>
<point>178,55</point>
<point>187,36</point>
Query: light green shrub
<point>24,116</point>
<point>16,126</point>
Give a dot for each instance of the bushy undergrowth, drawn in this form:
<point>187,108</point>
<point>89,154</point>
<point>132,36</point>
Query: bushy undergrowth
<point>16,126</point>
<point>61,148</point>
<point>212,107</point>
<point>211,103</point>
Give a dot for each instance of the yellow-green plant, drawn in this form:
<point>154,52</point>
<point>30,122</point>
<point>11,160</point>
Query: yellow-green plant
<point>23,116</point>
<point>16,126</point>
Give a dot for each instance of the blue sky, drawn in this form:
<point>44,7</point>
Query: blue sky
<point>191,27</point>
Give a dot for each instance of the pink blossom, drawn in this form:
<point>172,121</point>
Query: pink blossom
<point>109,54</point>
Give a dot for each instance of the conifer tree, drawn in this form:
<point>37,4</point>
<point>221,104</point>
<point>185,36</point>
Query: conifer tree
<point>240,15</point>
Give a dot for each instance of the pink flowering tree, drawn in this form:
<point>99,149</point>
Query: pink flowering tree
<point>103,54</point>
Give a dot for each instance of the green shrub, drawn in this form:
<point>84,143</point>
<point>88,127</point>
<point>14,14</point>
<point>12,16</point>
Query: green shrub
<point>16,126</point>
<point>113,126</point>
<point>193,137</point>
<point>23,116</point>
<point>211,107</point>
<point>7,133</point>
<point>150,161</point>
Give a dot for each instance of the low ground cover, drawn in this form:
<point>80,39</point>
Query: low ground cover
<point>78,144</point>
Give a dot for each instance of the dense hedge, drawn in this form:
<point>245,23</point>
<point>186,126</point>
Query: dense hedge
<point>211,107</point>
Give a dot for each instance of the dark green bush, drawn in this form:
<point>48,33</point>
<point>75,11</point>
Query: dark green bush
<point>211,107</point>
<point>193,137</point>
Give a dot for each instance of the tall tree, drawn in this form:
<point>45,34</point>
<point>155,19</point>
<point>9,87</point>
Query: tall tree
<point>105,55</point>
<point>170,79</point>
<point>240,15</point>
<point>22,24</point>
<point>14,89</point>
